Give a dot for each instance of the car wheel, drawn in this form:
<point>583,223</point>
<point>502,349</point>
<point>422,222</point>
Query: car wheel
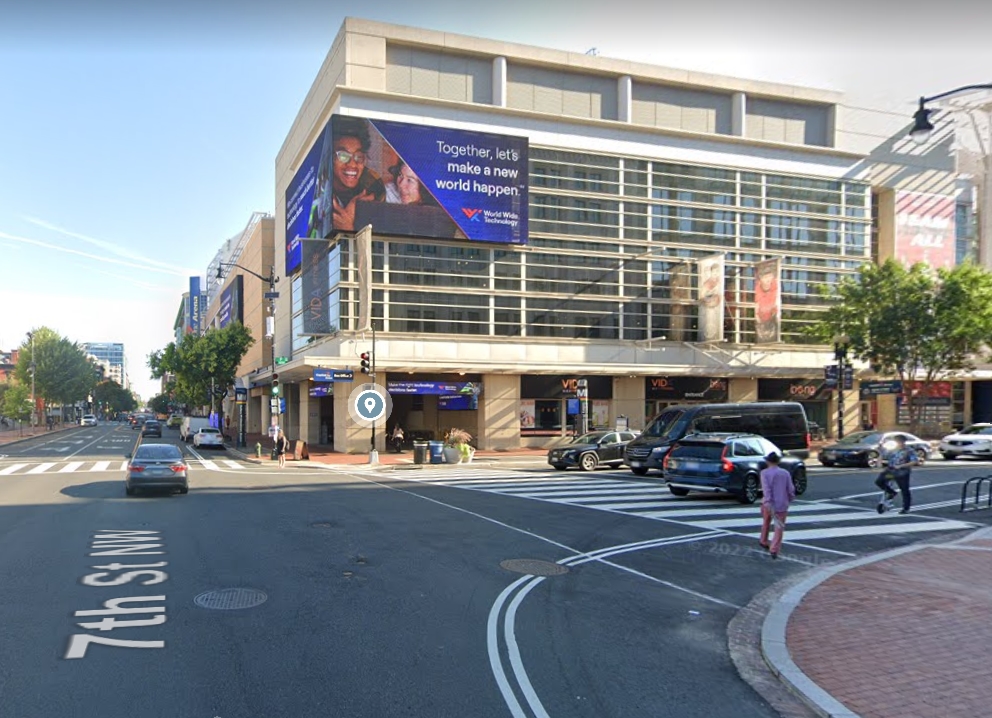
<point>184,490</point>
<point>128,490</point>
<point>950,456</point>
<point>639,470</point>
<point>678,491</point>
<point>799,482</point>
<point>560,467</point>
<point>924,455</point>
<point>749,494</point>
<point>826,463</point>
<point>588,462</point>
<point>872,460</point>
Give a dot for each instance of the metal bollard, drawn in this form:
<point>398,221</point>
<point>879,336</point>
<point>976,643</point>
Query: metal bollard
<point>258,450</point>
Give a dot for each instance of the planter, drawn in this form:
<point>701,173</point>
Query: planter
<point>452,455</point>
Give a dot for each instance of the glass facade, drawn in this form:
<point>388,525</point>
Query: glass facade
<point>606,235</point>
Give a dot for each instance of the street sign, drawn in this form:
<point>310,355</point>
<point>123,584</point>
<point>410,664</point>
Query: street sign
<point>241,396</point>
<point>220,392</point>
<point>271,295</point>
<point>274,405</point>
<point>869,389</point>
<point>333,375</point>
<point>848,378</point>
<point>282,360</point>
<point>830,376</point>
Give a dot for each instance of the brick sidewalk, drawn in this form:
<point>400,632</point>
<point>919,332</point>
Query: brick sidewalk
<point>907,636</point>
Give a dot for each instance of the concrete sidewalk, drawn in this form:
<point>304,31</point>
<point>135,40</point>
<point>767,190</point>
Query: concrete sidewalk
<point>11,436</point>
<point>901,634</point>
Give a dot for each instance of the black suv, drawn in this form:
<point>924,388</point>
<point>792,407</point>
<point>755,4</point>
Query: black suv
<point>726,463</point>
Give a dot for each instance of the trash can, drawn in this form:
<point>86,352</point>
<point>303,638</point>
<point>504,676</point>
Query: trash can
<point>420,452</point>
<point>437,452</point>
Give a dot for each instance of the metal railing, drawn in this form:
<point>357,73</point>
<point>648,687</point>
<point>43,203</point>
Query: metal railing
<point>978,481</point>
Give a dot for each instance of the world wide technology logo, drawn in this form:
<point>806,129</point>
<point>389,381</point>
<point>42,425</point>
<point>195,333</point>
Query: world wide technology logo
<point>472,214</point>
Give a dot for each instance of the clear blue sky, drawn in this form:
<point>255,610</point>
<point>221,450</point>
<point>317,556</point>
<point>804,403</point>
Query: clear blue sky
<point>136,137</point>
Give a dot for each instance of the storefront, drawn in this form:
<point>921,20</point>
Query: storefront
<point>663,391</point>
<point>811,393</point>
<point>549,405</point>
<point>427,406</point>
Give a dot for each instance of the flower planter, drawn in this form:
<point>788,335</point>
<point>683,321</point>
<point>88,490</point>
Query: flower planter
<point>452,455</point>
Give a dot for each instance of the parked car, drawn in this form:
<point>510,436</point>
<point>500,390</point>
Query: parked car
<point>175,421</point>
<point>726,463</point>
<point>591,450</point>
<point>156,466</point>
<point>976,440</point>
<point>208,436</point>
<point>88,420</point>
<point>152,428</point>
<point>783,423</point>
<point>865,448</point>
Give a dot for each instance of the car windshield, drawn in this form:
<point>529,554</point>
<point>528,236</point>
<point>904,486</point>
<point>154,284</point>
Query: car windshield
<point>157,451</point>
<point>861,437</point>
<point>593,437</point>
<point>707,451</point>
<point>666,425</point>
<point>209,431</point>
<point>978,429</point>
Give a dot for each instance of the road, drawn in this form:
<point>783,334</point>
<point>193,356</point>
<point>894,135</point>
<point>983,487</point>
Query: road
<point>341,591</point>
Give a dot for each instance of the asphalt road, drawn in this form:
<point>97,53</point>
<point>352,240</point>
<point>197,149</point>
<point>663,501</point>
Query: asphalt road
<point>384,593</point>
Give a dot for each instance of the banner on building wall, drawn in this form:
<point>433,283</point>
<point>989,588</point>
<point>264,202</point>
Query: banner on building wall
<point>231,304</point>
<point>314,288</point>
<point>600,413</point>
<point>363,247</point>
<point>711,299</point>
<point>528,414</point>
<point>195,306</point>
<point>408,180</point>
<point>768,301</point>
<point>680,288</point>
<point>925,229</point>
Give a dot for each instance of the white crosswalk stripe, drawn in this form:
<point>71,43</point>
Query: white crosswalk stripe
<point>231,464</point>
<point>100,466</point>
<point>41,468</point>
<point>808,521</point>
<point>72,467</point>
<point>13,468</point>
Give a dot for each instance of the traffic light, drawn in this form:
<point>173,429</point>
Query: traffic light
<point>366,363</point>
<point>275,385</point>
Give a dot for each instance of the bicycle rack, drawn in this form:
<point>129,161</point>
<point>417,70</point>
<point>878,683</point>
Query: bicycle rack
<point>978,481</point>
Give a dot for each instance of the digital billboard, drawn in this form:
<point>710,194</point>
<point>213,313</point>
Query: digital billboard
<point>925,229</point>
<point>408,180</point>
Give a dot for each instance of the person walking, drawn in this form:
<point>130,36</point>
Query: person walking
<point>397,439</point>
<point>777,492</point>
<point>281,444</point>
<point>899,463</point>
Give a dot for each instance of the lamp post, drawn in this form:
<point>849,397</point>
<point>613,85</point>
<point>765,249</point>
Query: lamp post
<point>922,127</point>
<point>270,327</point>
<point>840,354</point>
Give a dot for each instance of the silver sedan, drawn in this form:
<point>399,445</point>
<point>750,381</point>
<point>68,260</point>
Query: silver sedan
<point>157,466</point>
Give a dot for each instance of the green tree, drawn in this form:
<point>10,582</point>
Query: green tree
<point>914,323</point>
<point>17,402</point>
<point>113,396</point>
<point>62,373</point>
<point>159,403</point>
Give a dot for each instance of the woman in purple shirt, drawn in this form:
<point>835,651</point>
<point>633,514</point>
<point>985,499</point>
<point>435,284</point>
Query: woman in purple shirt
<point>777,493</point>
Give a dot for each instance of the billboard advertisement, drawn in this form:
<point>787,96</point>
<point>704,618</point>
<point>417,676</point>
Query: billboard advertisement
<point>231,304</point>
<point>314,279</point>
<point>195,306</point>
<point>408,180</point>
<point>925,229</point>
<point>711,299</point>
<point>680,286</point>
<point>439,388</point>
<point>767,301</point>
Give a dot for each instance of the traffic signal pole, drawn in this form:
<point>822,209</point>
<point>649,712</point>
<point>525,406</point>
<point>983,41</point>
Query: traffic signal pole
<point>368,367</point>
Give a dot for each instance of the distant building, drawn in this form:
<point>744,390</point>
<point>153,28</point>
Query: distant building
<point>8,362</point>
<point>112,356</point>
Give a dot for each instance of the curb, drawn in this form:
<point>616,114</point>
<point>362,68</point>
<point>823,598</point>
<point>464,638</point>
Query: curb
<point>775,650</point>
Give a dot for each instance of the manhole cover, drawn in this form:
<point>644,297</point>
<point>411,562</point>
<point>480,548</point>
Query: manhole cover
<point>533,567</point>
<point>227,599</point>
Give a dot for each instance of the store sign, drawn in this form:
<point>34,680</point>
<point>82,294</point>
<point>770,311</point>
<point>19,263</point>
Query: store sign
<point>686,388</point>
<point>458,402</point>
<point>937,394</point>
<point>321,390</point>
<point>869,389</point>
<point>434,387</point>
<point>792,390</point>
<point>333,375</point>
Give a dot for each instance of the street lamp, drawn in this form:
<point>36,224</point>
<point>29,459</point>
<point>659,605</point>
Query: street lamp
<point>270,328</point>
<point>840,354</point>
<point>922,127</point>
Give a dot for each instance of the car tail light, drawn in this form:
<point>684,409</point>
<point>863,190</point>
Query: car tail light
<point>664,462</point>
<point>135,468</point>
<point>808,440</point>
<point>726,465</point>
<point>178,468</point>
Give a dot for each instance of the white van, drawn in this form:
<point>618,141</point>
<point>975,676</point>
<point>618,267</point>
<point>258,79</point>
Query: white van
<point>191,425</point>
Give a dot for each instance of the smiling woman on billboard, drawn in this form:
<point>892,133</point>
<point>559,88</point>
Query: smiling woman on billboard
<point>352,181</point>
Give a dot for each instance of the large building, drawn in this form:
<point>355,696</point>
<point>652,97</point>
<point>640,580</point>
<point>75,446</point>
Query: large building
<point>544,220</point>
<point>111,356</point>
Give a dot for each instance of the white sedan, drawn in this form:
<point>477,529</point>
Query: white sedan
<point>976,440</point>
<point>88,420</point>
<point>208,436</point>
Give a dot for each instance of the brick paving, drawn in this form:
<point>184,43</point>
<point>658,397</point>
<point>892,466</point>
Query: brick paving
<point>909,636</point>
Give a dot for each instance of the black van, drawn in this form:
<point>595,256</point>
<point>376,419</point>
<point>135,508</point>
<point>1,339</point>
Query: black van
<point>782,423</point>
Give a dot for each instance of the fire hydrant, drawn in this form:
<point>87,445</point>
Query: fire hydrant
<point>258,450</point>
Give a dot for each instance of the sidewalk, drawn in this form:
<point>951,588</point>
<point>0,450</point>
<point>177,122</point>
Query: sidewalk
<point>902,634</point>
<point>10,436</point>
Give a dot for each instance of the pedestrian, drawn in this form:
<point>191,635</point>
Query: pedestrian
<point>397,439</point>
<point>899,463</point>
<point>777,492</point>
<point>281,444</point>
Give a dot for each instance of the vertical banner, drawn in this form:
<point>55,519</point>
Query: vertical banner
<point>363,240</point>
<point>528,414</point>
<point>925,229</point>
<point>711,298</point>
<point>195,305</point>
<point>767,301</point>
<point>316,319</point>
<point>680,288</point>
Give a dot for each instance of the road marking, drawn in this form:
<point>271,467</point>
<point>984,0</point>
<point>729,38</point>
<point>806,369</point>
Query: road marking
<point>793,519</point>
<point>123,466</point>
<point>876,492</point>
<point>232,464</point>
<point>877,529</point>
<point>41,468</point>
<point>100,466</point>
<point>208,464</point>
<point>70,467</point>
<point>11,469</point>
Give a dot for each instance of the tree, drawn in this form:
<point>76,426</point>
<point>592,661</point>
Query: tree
<point>62,373</point>
<point>913,323</point>
<point>17,402</point>
<point>159,404</point>
<point>113,396</point>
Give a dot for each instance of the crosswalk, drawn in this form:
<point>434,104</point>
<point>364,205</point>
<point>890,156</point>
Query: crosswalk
<point>808,521</point>
<point>87,467</point>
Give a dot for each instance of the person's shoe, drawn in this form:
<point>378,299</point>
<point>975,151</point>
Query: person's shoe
<point>765,546</point>
<point>904,511</point>
<point>880,508</point>
<point>774,554</point>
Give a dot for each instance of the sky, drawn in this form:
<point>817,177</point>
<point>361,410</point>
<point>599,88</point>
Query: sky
<point>135,138</point>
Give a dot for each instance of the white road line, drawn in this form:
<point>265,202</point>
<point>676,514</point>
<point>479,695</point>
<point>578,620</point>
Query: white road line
<point>232,464</point>
<point>11,469</point>
<point>123,466</point>
<point>70,467</point>
<point>100,466</point>
<point>876,492</point>
<point>583,500</point>
<point>208,464</point>
<point>619,491</point>
<point>752,510</point>
<point>873,530</point>
<point>41,468</point>
<point>730,523</point>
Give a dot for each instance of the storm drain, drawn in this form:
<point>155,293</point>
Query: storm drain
<point>533,567</point>
<point>229,599</point>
